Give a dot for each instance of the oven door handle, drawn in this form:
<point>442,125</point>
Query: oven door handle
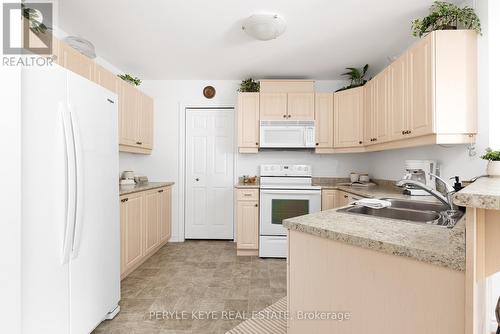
<point>290,191</point>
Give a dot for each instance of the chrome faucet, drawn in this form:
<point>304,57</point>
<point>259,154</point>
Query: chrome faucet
<point>447,200</point>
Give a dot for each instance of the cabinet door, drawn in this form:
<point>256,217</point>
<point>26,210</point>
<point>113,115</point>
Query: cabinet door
<point>399,97</point>
<point>329,199</point>
<point>348,118</point>
<point>383,107</point>
<point>323,111</point>
<point>131,230</point>
<point>248,224</point>
<point>248,120</point>
<point>146,121</point>
<point>165,203</point>
<point>75,61</point>
<point>300,106</point>
<point>343,198</point>
<point>105,78</point>
<point>420,88</point>
<point>128,116</point>
<point>273,106</point>
<point>151,220</point>
<point>370,111</point>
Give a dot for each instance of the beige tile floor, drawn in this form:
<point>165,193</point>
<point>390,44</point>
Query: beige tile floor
<point>199,276</point>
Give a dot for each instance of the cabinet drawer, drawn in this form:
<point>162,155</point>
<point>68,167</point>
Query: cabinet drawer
<point>247,194</point>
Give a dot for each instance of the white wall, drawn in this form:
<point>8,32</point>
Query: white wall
<point>163,165</point>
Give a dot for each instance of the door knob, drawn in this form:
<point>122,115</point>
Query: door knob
<point>197,179</point>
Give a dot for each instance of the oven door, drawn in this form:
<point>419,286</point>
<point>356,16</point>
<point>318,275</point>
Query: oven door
<point>277,205</point>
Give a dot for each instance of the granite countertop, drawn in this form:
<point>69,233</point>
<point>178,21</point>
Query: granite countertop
<point>129,189</point>
<point>484,193</point>
<point>241,185</point>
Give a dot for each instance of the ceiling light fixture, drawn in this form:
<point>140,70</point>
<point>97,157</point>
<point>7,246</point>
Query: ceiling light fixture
<point>264,27</point>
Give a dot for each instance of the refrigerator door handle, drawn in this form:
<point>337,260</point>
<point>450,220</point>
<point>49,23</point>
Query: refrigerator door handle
<point>79,186</point>
<point>70,183</point>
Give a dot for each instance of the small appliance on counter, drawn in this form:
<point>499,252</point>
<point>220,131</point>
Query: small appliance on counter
<point>141,179</point>
<point>421,171</point>
<point>127,178</point>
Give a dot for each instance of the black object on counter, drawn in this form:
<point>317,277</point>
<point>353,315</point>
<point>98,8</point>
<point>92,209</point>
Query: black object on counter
<point>458,185</point>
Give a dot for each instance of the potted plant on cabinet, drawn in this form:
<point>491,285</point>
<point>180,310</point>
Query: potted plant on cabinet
<point>446,16</point>
<point>249,86</point>
<point>356,77</point>
<point>493,158</point>
<point>130,79</point>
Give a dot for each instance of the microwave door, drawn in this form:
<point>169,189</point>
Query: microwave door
<point>285,137</point>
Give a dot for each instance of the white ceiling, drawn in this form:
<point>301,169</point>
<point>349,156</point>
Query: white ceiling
<point>200,39</point>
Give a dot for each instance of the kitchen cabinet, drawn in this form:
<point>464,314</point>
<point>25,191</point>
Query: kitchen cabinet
<point>420,88</point>
<point>348,118</point>
<point>247,222</point>
<point>273,106</point>
<point>145,226</point>
<point>323,116</point>
<point>398,118</point>
<point>151,221</point>
<point>369,112</point>
<point>105,78</point>
<point>377,109</point>
<point>329,199</point>
<point>300,106</point>
<point>74,61</point>
<point>248,122</point>
<point>146,124</point>
<point>131,231</point>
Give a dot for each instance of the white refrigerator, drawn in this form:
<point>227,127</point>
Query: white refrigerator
<point>70,203</point>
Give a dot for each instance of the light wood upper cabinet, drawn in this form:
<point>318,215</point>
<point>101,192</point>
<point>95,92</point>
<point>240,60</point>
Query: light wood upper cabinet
<point>300,106</point>
<point>348,118</point>
<point>165,213</point>
<point>105,78</point>
<point>146,124</point>
<point>398,119</point>
<point>273,106</point>
<point>248,122</point>
<point>383,107</point>
<point>323,111</point>
<point>74,61</point>
<point>129,116</point>
<point>370,112</point>
<point>247,221</point>
<point>421,87</point>
<point>131,230</point>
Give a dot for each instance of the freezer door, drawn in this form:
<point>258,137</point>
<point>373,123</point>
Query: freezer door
<point>95,257</point>
<point>46,208</point>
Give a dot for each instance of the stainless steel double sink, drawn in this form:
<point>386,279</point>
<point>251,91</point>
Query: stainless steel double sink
<point>410,211</point>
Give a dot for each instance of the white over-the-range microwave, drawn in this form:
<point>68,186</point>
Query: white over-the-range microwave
<point>287,134</point>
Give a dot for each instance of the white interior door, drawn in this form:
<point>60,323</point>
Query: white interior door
<point>209,173</point>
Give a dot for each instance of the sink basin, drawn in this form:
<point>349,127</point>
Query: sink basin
<point>416,205</point>
<point>430,217</point>
<point>409,211</point>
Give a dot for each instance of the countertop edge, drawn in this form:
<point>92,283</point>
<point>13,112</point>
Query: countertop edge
<point>380,246</point>
<point>484,193</point>
<point>149,186</point>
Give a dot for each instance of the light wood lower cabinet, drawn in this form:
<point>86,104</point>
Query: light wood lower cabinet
<point>247,222</point>
<point>145,226</point>
<point>334,198</point>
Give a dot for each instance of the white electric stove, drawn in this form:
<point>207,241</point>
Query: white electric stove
<point>286,191</point>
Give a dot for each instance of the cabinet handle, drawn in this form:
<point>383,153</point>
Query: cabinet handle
<point>160,191</point>
<point>317,144</point>
<point>409,131</point>
<point>247,195</point>
<point>289,116</point>
<point>346,196</point>
<point>124,200</point>
<point>138,142</point>
<point>256,205</point>
<point>360,142</point>
<point>256,144</point>
<point>197,179</point>
<point>374,139</point>
<point>284,116</point>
